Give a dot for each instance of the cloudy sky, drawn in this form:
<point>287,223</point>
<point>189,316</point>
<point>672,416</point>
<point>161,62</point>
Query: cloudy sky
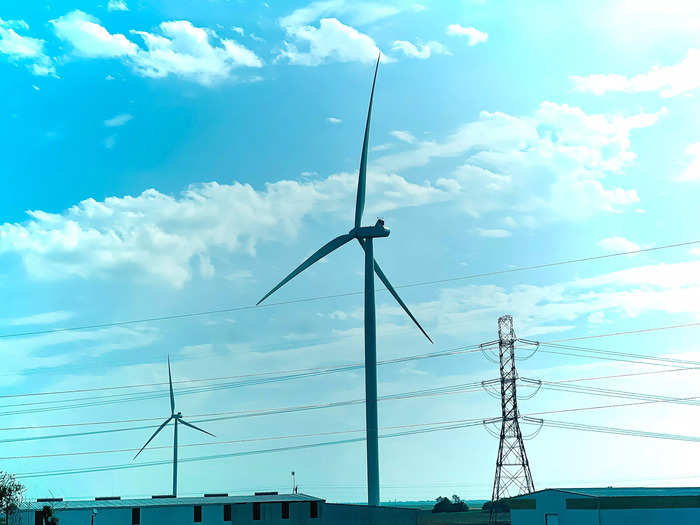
<point>164,158</point>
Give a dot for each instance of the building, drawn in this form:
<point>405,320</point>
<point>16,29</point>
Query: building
<point>212,509</point>
<point>609,506</point>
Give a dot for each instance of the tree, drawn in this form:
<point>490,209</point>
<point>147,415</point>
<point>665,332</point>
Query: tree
<point>498,506</point>
<point>458,505</point>
<point>11,492</point>
<point>47,514</point>
<point>443,504</point>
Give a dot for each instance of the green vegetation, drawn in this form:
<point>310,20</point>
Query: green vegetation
<point>443,504</point>
<point>11,492</point>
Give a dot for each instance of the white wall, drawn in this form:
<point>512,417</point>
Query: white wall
<point>651,516</point>
<point>553,502</point>
<point>212,514</point>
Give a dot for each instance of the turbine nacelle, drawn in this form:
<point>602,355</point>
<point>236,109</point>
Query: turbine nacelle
<point>366,232</point>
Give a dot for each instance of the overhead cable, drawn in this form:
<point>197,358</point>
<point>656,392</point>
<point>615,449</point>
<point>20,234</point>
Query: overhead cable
<point>232,309</point>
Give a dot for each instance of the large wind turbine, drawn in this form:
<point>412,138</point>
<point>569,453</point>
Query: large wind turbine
<point>178,419</point>
<point>365,236</point>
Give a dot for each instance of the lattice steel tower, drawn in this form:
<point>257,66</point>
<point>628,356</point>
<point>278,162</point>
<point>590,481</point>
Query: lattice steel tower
<point>513,475</point>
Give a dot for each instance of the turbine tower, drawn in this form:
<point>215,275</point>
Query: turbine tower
<point>177,417</point>
<point>365,236</point>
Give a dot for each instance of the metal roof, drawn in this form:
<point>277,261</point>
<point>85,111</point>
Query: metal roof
<point>166,502</point>
<point>609,492</point>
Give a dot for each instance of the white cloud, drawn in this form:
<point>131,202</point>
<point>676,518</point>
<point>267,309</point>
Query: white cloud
<point>117,5</point>
<point>43,318</point>
<point>187,51</point>
<point>162,237</point>
<point>421,51</point>
<point>553,163</point>
<point>493,233</point>
<point>334,120</point>
<point>692,172</point>
<point>206,268</point>
<point>473,34</point>
<point>354,12</point>
<point>238,30</point>
<point>240,275</point>
<point>118,121</point>
<point>596,317</point>
<point>617,244</point>
<point>89,38</point>
<point>668,81</point>
<point>668,288</point>
<point>403,136</point>
<point>331,41</point>
<point>24,49</point>
<point>180,48</point>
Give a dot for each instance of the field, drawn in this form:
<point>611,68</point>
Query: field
<point>471,517</point>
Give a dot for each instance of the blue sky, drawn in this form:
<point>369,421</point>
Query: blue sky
<point>168,157</point>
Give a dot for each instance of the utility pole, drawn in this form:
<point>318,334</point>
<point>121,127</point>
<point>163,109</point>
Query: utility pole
<point>513,475</point>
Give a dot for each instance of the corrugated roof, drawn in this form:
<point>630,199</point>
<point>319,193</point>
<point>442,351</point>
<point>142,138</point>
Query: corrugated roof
<point>624,491</point>
<point>163,502</point>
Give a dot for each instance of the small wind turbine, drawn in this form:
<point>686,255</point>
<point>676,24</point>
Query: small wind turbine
<point>178,419</point>
<point>365,236</point>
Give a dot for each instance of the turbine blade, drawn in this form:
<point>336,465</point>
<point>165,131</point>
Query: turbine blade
<point>362,179</point>
<point>196,428</point>
<point>154,435</point>
<point>172,397</point>
<point>382,276</point>
<point>321,253</point>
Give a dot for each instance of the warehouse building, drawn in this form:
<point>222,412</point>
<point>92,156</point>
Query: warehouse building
<point>211,509</point>
<point>608,506</point>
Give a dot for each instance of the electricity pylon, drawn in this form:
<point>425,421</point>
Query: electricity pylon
<point>513,475</point>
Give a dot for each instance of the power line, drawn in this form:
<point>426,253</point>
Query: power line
<point>618,431</point>
<point>600,407</point>
<point>628,332</point>
<point>354,366</point>
<point>607,392</point>
<point>466,424</point>
<point>232,309</point>
<point>91,401</point>
<point>235,441</point>
<point>142,420</point>
<point>295,436</point>
<point>431,392</point>
<point>264,377</point>
<point>230,415</point>
<point>460,424</point>
<point>641,358</point>
<point>421,393</point>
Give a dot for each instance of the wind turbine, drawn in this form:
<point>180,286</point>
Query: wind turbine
<point>365,236</point>
<point>178,419</point>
